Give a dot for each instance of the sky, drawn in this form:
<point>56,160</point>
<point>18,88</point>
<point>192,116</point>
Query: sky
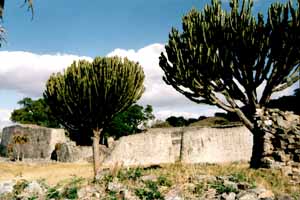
<point>68,30</point>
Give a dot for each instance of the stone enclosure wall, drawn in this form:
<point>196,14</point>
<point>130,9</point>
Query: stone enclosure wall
<point>189,145</point>
<point>40,141</point>
<point>155,146</point>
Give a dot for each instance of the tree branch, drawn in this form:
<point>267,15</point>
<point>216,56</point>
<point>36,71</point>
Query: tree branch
<point>288,82</point>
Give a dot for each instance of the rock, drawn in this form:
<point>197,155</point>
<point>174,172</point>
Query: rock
<point>280,156</point>
<point>115,186</point>
<point>6,187</point>
<point>284,197</point>
<point>245,195</point>
<point>149,177</point>
<point>230,196</point>
<point>174,194</point>
<point>243,185</point>
<point>205,178</point>
<point>209,194</point>
<point>87,192</point>
<point>34,188</point>
<point>266,195</point>
<point>101,174</point>
<point>129,196</point>
<point>230,184</point>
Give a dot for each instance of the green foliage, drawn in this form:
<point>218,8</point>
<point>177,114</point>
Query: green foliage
<point>163,181</point>
<point>127,122</point>
<point>53,193</point>
<point>199,189</point>
<point>34,112</point>
<point>176,121</point>
<point>180,121</point>
<point>129,174</point>
<point>20,186</point>
<point>221,188</point>
<point>89,94</point>
<point>149,192</point>
<point>69,191</point>
<point>222,56</point>
<point>112,195</point>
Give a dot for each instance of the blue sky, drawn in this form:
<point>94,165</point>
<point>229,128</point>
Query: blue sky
<point>67,30</point>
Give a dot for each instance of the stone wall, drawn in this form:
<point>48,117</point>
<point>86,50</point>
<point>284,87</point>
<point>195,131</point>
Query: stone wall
<point>189,145</point>
<point>41,141</point>
<point>150,148</point>
<point>281,141</point>
<point>153,147</point>
<point>216,145</point>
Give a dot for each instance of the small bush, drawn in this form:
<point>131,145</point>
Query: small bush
<point>221,188</point>
<point>70,192</point>
<point>53,193</point>
<point>20,186</point>
<point>163,181</point>
<point>199,189</point>
<point>129,174</point>
<point>149,192</point>
<point>112,195</point>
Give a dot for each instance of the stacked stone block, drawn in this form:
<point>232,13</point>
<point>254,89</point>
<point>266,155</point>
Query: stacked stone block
<point>281,141</point>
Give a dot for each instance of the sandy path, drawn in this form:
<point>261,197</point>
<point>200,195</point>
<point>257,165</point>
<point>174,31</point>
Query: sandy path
<point>51,172</point>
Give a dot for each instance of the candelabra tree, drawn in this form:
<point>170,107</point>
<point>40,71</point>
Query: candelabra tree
<point>222,57</point>
<point>90,94</point>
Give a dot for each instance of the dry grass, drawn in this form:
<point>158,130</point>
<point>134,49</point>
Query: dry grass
<point>178,174</point>
<point>51,172</point>
<point>270,179</point>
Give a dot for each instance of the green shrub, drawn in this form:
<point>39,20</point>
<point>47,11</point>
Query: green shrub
<point>20,186</point>
<point>53,193</point>
<point>129,174</point>
<point>163,181</point>
<point>221,188</point>
<point>149,192</point>
<point>70,192</point>
<point>199,189</point>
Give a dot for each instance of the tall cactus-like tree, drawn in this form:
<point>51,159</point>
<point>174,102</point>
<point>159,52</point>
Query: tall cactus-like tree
<point>2,30</point>
<point>221,57</point>
<point>2,3</point>
<point>91,94</point>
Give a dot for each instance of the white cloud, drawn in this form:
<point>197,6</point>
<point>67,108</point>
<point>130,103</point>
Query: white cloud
<point>27,73</point>
<point>4,118</point>
<point>164,98</point>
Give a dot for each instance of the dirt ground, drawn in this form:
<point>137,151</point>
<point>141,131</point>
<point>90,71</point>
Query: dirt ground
<point>51,172</point>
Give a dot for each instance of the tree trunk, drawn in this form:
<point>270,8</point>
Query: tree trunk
<point>257,148</point>
<point>96,153</point>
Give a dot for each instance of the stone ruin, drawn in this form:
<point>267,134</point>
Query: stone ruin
<point>153,147</point>
<point>281,149</point>
<point>38,142</point>
<point>281,144</point>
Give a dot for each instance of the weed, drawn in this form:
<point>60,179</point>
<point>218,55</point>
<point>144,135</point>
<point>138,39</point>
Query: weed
<point>129,174</point>
<point>112,195</point>
<point>20,186</point>
<point>108,178</point>
<point>199,189</point>
<point>70,192</point>
<point>163,181</point>
<point>53,193</point>
<point>149,192</point>
<point>221,188</point>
